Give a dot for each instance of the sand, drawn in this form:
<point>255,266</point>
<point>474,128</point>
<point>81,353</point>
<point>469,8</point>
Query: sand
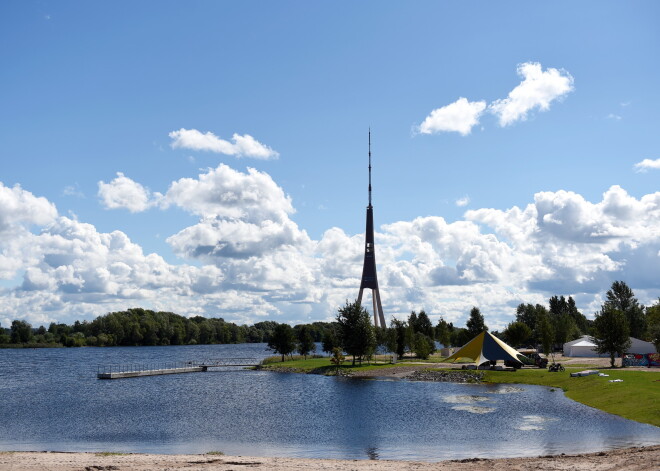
<point>630,459</point>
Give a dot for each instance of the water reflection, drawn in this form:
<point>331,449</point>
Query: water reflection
<point>52,401</point>
<point>372,453</point>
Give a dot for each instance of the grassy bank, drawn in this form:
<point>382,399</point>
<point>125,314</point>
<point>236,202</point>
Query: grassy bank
<point>636,398</point>
<point>322,365</point>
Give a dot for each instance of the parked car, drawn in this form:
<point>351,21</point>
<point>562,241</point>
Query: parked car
<point>534,359</point>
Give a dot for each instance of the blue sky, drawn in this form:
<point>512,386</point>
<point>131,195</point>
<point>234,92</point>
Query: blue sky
<point>515,152</point>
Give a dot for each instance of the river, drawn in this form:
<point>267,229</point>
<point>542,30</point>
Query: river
<point>50,399</point>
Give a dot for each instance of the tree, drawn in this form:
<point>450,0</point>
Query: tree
<point>423,346</point>
<point>305,341</point>
<point>517,333</point>
<point>621,298</point>
<point>356,334</point>
<point>4,336</point>
<point>612,334</point>
<point>283,340</point>
<point>337,358</point>
<point>460,337</point>
<point>21,332</point>
<point>653,321</point>
<point>391,341</point>
<point>330,341</point>
<point>545,332</point>
<point>421,323</point>
<point>580,319</point>
<point>475,324</point>
<point>442,333</point>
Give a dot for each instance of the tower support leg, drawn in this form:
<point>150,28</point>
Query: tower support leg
<point>359,299</point>
<point>373,302</point>
<point>380,308</point>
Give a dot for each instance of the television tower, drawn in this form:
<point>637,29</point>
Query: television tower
<point>369,278</point>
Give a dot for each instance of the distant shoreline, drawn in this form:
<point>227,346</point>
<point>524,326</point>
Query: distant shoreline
<point>631,459</point>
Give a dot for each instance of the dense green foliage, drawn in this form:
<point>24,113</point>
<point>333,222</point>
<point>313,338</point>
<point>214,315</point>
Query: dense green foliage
<point>517,333</point>
<point>283,340</point>
<point>611,332</point>
<point>330,340</point>
<point>653,319</point>
<point>357,336</point>
<point>137,327</point>
<point>305,341</point>
<point>476,323</point>
<point>534,325</point>
<point>621,298</point>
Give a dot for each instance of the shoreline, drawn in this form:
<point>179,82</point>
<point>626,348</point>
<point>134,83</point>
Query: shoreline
<point>630,459</point>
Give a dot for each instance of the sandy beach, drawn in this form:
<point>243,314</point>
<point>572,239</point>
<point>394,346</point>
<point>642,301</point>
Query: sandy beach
<point>630,459</point>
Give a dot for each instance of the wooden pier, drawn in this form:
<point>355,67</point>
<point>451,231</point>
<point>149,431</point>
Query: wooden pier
<point>169,368</point>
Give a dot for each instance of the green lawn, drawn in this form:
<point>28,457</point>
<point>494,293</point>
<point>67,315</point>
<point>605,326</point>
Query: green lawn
<point>636,398</point>
<point>323,365</point>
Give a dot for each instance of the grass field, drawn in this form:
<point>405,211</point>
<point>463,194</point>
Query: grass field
<point>323,365</point>
<point>636,398</point>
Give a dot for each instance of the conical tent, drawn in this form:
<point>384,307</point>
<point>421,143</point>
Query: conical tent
<point>486,347</point>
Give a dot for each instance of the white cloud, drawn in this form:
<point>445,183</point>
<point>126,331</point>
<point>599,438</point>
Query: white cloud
<point>73,190</point>
<point>647,164</point>
<point>614,117</point>
<point>124,193</point>
<point>228,193</point>
<point>250,261</point>
<point>19,208</point>
<point>460,116</point>
<point>242,146</point>
<point>537,90</point>
<point>464,201</point>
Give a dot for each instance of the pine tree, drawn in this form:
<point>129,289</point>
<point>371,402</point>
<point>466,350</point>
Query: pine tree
<point>475,324</point>
<point>621,298</point>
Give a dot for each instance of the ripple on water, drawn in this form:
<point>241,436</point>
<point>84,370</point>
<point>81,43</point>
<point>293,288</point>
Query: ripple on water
<point>475,409</point>
<point>464,399</point>
<point>505,390</point>
<point>534,422</point>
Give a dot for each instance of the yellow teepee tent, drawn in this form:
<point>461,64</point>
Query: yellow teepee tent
<point>486,347</point>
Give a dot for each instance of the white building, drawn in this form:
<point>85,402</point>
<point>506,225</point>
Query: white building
<point>585,347</point>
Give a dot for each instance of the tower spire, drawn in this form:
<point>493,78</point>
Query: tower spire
<point>369,167</point>
<point>369,278</point>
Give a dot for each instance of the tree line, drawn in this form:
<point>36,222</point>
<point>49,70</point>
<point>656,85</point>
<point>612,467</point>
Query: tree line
<point>549,327</point>
<point>535,326</point>
<point>144,327</point>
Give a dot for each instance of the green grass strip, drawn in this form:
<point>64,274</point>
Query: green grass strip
<point>636,398</point>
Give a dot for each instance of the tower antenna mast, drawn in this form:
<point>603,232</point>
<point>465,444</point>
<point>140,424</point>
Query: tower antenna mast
<point>369,167</point>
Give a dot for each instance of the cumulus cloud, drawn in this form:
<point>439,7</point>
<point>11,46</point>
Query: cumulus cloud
<point>647,164</point>
<point>242,146</point>
<point>538,89</point>
<point>226,192</point>
<point>246,259</point>
<point>19,208</point>
<point>460,116</point>
<point>242,215</point>
<point>124,193</point>
<point>578,245</point>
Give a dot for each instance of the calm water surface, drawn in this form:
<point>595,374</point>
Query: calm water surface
<point>50,399</point>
